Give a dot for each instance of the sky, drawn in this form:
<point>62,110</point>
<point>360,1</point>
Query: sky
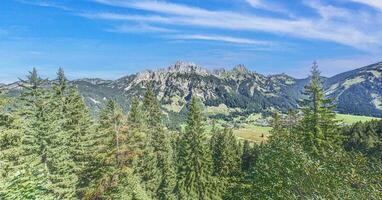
<point>112,38</point>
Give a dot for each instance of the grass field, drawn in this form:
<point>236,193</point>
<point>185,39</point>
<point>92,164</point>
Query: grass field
<point>254,133</point>
<point>351,119</point>
<point>261,133</point>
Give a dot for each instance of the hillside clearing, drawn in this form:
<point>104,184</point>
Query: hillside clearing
<point>259,134</point>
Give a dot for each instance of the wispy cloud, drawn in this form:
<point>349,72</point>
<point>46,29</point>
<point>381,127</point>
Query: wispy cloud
<point>221,38</point>
<point>266,5</point>
<point>43,3</point>
<point>339,25</point>
<point>140,28</point>
<point>329,11</point>
<point>377,4</point>
<point>303,27</point>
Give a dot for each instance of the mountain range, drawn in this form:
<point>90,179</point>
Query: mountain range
<point>236,91</point>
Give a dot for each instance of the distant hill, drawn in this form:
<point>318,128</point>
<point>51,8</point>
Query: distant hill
<point>236,91</point>
<point>358,91</point>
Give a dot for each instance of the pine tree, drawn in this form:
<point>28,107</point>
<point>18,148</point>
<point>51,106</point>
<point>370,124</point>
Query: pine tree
<point>32,181</point>
<point>76,126</point>
<point>278,126</point>
<point>136,135</point>
<point>225,153</point>
<point>10,145</point>
<point>249,156</point>
<point>145,164</point>
<point>291,121</point>
<point>109,146</point>
<point>159,141</point>
<point>195,180</point>
<point>111,122</point>
<point>44,170</point>
<point>319,129</point>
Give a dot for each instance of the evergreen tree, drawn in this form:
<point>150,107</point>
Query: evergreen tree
<point>45,166</point>
<point>76,126</point>
<point>159,141</point>
<point>319,128</point>
<point>145,164</point>
<point>195,180</point>
<point>136,135</point>
<point>10,146</point>
<point>108,150</point>
<point>225,153</point>
<point>291,121</point>
<point>365,138</point>
<point>249,156</point>
<point>278,126</point>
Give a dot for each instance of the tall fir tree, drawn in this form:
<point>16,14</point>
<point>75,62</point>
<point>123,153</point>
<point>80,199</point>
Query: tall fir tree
<point>45,166</point>
<point>291,121</point>
<point>319,128</point>
<point>159,144</point>
<point>77,126</point>
<point>109,148</point>
<point>225,153</point>
<point>249,156</point>
<point>145,162</point>
<point>195,179</point>
<point>136,135</point>
<point>278,126</point>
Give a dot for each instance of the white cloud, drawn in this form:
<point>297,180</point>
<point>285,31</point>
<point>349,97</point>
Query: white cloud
<point>43,3</point>
<point>261,4</point>
<point>221,38</point>
<point>377,4</point>
<point>329,11</point>
<point>310,28</point>
<point>140,28</point>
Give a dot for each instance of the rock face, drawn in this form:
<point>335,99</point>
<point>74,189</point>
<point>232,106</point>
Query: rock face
<point>356,92</point>
<point>237,88</point>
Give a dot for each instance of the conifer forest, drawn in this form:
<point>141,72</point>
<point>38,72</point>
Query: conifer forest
<point>190,99</point>
<point>53,148</point>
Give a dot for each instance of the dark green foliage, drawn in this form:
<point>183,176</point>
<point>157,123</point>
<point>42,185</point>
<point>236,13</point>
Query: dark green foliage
<point>318,129</point>
<point>107,145</point>
<point>195,180</point>
<point>285,170</point>
<point>10,146</point>
<point>249,156</point>
<point>278,124</point>
<point>308,161</point>
<point>365,138</point>
<point>158,155</point>
<point>225,153</point>
<point>77,126</point>
<point>45,164</point>
<point>112,176</point>
<point>136,135</point>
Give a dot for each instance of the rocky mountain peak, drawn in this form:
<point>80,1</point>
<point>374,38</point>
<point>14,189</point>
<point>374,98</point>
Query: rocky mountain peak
<point>218,72</point>
<point>241,69</point>
<point>94,81</point>
<point>187,67</point>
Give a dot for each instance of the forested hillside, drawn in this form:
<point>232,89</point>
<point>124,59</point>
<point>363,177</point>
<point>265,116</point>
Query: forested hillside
<point>51,148</point>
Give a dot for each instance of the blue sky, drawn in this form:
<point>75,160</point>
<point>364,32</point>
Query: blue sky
<point>112,38</point>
